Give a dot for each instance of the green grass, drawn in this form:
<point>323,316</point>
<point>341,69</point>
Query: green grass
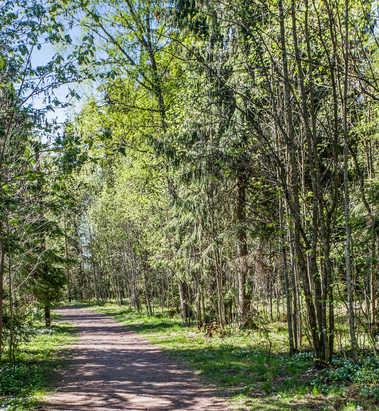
<point>22,384</point>
<point>255,373</point>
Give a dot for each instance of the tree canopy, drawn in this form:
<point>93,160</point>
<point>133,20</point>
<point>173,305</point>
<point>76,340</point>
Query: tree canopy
<point>226,168</point>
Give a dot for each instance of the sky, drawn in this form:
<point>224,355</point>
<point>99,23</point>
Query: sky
<point>84,89</point>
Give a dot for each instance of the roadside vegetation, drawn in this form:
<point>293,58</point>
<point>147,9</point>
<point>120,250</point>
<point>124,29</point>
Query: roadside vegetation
<point>254,367</point>
<point>223,166</point>
<point>26,378</point>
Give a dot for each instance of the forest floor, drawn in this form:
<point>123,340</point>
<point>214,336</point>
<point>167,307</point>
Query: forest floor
<point>137,362</point>
<point>254,369</point>
<point>24,381</point>
<point>112,368</point>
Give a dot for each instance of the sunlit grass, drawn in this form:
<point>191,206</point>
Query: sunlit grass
<point>252,368</point>
<point>23,383</point>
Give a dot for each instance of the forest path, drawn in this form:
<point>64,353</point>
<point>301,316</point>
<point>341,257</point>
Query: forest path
<point>112,368</point>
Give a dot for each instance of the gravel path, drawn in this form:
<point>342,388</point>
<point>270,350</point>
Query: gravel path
<point>112,368</point>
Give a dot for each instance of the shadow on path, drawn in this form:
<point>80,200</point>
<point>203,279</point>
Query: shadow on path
<point>112,368</point>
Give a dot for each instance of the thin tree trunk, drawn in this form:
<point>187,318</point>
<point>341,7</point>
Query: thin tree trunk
<point>47,312</point>
<point>348,267</point>
<point>288,293</point>
<point>242,251</point>
<point>183,301</point>
<point>293,200</point>
<point>1,294</point>
<point>67,267</point>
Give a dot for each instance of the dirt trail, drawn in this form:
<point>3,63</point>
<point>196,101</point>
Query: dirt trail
<point>112,368</point>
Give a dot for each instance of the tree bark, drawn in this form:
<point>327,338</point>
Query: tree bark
<point>47,312</point>
<point>348,267</point>
<point>293,191</point>
<point>1,294</point>
<point>242,250</point>
<point>183,303</point>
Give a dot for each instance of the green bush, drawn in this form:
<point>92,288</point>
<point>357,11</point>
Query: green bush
<point>18,378</point>
<point>370,393</point>
<point>361,372</point>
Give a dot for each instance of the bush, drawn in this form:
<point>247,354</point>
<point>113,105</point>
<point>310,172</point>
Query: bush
<point>363,372</point>
<point>370,393</point>
<point>18,378</point>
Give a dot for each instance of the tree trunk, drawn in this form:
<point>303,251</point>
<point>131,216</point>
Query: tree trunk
<point>293,190</point>
<point>348,268</point>
<point>1,294</point>
<point>47,311</point>
<point>242,251</point>
<point>67,267</point>
<point>182,299</point>
<point>287,286</point>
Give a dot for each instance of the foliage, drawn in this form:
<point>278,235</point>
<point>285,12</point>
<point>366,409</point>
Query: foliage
<point>32,264</point>
<point>363,372</point>
<point>241,365</point>
<point>24,381</point>
<point>224,169</point>
<point>213,158</point>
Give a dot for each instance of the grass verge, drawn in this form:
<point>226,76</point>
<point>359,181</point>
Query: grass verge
<point>254,368</point>
<point>23,383</point>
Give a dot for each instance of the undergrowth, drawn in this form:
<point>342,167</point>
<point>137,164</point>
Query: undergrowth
<point>254,369</point>
<point>25,381</point>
